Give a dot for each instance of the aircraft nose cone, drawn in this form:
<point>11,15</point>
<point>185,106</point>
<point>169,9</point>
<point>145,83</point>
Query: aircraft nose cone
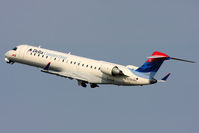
<point>153,81</point>
<point>7,54</point>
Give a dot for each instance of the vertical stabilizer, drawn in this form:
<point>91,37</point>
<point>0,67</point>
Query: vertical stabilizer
<point>151,66</point>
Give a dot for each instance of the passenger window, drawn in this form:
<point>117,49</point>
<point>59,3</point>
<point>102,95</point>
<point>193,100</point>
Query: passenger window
<point>71,62</point>
<point>91,66</point>
<point>34,54</point>
<point>30,53</point>
<point>82,64</point>
<point>78,64</point>
<point>54,58</point>
<point>86,65</point>
<point>38,54</point>
<point>95,67</point>
<point>74,62</point>
<point>46,57</point>
<point>63,60</point>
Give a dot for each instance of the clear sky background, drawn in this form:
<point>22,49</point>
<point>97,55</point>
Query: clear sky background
<point>120,31</point>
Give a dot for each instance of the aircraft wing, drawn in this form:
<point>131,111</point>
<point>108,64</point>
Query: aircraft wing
<point>71,75</point>
<point>66,74</point>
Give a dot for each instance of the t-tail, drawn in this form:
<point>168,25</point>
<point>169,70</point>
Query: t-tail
<point>152,65</point>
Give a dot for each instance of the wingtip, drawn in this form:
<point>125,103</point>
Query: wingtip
<point>166,77</point>
<point>47,66</point>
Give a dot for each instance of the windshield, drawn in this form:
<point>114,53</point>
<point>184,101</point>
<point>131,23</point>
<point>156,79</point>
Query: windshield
<point>15,48</point>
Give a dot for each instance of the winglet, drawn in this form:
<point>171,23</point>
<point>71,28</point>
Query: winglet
<point>47,66</point>
<point>166,77</point>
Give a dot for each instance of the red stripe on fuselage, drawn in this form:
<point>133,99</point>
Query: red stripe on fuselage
<point>14,55</point>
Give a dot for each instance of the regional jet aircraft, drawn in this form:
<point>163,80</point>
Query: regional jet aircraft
<point>89,71</point>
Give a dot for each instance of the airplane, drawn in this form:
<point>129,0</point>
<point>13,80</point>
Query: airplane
<point>88,71</point>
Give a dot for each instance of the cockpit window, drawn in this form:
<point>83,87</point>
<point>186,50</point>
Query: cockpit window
<point>14,49</point>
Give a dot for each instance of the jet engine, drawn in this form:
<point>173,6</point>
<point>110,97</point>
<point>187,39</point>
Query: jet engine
<point>111,70</point>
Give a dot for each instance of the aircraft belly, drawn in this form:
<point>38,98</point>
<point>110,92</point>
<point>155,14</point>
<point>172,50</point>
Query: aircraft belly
<point>86,76</point>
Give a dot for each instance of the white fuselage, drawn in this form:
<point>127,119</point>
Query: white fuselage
<point>75,67</point>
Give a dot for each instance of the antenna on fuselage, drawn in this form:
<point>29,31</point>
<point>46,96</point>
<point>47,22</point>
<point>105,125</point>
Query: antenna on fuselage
<point>39,46</point>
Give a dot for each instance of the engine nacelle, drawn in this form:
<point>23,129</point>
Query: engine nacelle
<point>111,70</point>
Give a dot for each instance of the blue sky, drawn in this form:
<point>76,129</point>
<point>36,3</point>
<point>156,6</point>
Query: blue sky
<point>124,32</point>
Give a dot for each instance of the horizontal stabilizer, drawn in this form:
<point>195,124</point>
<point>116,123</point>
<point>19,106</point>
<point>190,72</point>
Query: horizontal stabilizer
<point>158,55</point>
<point>182,60</point>
<point>155,57</point>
